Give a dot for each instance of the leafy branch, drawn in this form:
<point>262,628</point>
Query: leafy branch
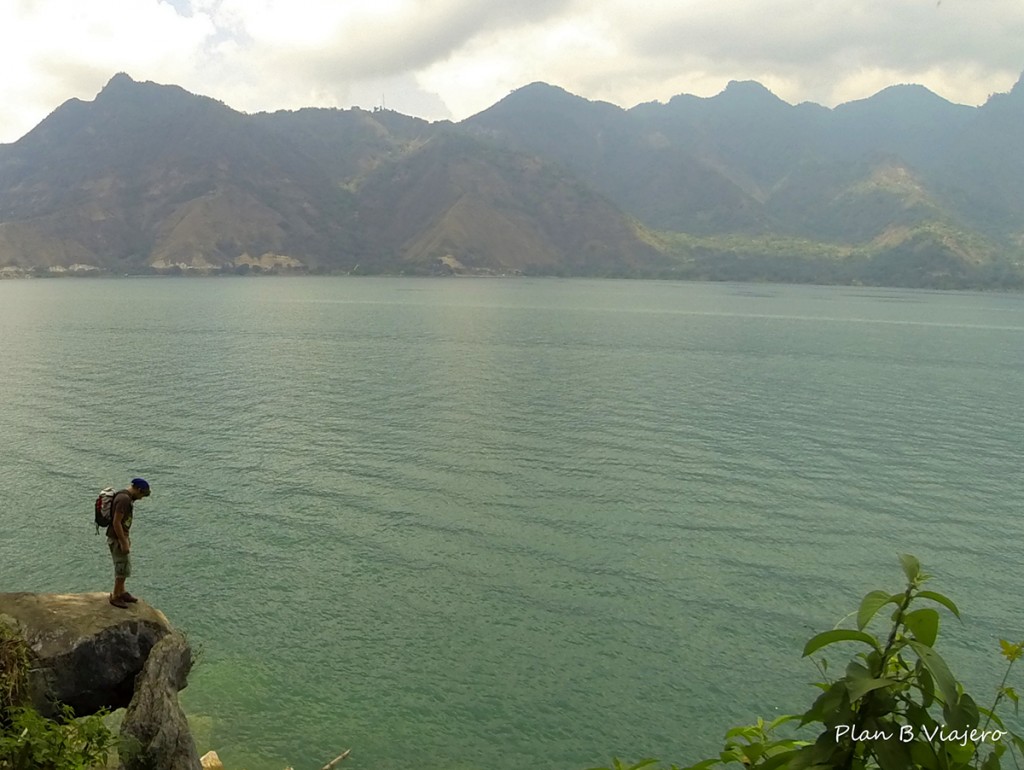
<point>897,706</point>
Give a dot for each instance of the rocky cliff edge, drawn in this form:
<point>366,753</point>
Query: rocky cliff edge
<point>90,655</point>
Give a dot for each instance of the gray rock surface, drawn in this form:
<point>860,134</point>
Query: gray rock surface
<point>87,653</point>
<point>155,726</point>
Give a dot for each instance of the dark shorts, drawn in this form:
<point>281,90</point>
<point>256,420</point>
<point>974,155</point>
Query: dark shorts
<point>122,561</point>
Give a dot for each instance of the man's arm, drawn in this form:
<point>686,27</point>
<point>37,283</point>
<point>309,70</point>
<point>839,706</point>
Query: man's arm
<point>119,533</point>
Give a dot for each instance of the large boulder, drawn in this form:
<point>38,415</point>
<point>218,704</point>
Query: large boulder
<point>155,726</point>
<point>86,652</point>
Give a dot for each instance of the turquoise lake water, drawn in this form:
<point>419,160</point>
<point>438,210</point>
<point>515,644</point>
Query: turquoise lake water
<point>506,524</point>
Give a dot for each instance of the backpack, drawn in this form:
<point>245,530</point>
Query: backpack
<point>105,508</point>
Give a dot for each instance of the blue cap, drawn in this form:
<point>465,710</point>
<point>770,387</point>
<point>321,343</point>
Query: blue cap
<point>141,484</point>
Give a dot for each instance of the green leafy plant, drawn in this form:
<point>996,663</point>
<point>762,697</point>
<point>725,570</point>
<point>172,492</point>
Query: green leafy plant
<point>33,742</point>
<point>14,662</point>
<point>29,741</point>
<point>897,705</point>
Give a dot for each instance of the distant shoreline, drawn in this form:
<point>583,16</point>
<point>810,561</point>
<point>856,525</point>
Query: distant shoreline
<point>7,275</point>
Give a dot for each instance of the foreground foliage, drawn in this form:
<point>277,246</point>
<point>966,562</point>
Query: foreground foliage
<point>29,741</point>
<point>896,707</point>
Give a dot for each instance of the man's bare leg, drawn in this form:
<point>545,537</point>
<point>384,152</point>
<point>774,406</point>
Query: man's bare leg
<point>118,590</point>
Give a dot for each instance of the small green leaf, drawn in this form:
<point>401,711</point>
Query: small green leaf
<point>747,731</point>
<point>1017,742</point>
<point>705,765</point>
<point>926,684</point>
<point>911,566</point>
<point>871,604</point>
<point>891,754</point>
<point>1010,693</point>
<point>1011,651</point>
<point>991,762</point>
<point>938,669</point>
<point>855,670</point>
<point>779,760</point>
<point>753,753</point>
<point>859,686</point>
<point>923,624</point>
<point>945,601</point>
<point>782,720</point>
<point>643,763</point>
<point>963,715</point>
<point>731,755</point>
<point>923,755</point>
<point>779,746</point>
<point>838,635</point>
<point>961,753</point>
<point>834,701</point>
<point>992,715</point>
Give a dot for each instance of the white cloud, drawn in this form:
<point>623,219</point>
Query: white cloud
<point>823,51</point>
<point>804,50</point>
<point>323,52</point>
<point>451,58</point>
<point>52,50</point>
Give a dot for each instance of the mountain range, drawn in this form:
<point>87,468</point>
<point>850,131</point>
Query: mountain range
<point>902,189</point>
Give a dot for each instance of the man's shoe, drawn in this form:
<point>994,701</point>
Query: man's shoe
<point>117,601</point>
<point>127,597</point>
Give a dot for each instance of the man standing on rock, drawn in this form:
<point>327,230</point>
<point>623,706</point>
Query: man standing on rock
<point>118,541</point>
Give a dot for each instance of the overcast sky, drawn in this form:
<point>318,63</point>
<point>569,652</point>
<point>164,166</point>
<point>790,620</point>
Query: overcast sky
<point>452,58</point>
